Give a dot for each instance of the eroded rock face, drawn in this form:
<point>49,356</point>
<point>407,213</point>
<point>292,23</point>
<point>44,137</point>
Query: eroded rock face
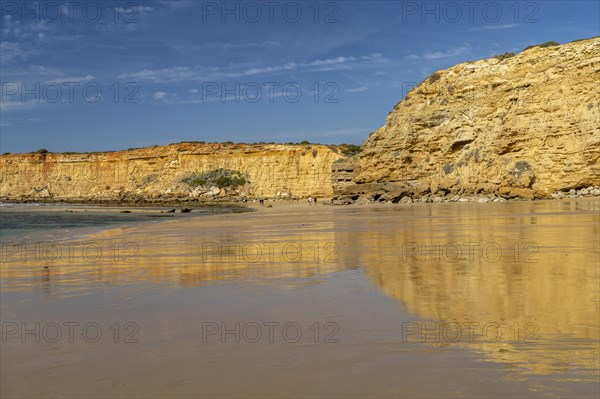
<point>156,172</point>
<point>522,127</point>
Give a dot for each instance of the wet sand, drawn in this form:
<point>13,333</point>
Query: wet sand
<point>422,300</point>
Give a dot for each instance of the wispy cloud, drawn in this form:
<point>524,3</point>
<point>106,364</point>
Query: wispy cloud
<point>16,105</point>
<point>134,9</point>
<point>5,122</point>
<point>26,30</point>
<point>159,95</point>
<point>330,61</point>
<point>228,46</point>
<point>19,95</point>
<point>177,4</point>
<point>201,74</point>
<point>493,27</point>
<point>358,89</point>
<point>13,52</point>
<point>70,79</point>
<point>434,55</point>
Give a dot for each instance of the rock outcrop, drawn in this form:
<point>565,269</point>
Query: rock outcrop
<point>522,126</point>
<point>271,170</point>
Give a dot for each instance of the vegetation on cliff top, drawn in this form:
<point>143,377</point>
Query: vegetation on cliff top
<point>543,45</point>
<point>305,142</point>
<point>347,150</point>
<point>504,56</point>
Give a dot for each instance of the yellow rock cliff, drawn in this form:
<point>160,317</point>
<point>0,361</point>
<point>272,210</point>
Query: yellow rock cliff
<point>272,170</point>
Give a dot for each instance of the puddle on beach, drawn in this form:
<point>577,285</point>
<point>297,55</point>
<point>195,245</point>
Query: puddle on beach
<point>444,300</point>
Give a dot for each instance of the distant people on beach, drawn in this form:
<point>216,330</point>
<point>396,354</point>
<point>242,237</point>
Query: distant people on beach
<point>315,199</point>
<point>309,201</point>
<point>261,201</point>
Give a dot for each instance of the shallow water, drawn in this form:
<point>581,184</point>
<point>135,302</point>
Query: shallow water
<point>27,222</point>
<point>442,300</point>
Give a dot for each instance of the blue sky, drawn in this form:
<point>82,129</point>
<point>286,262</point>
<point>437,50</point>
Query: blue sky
<point>105,75</point>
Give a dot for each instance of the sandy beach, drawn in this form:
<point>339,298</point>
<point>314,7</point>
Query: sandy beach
<point>430,300</point>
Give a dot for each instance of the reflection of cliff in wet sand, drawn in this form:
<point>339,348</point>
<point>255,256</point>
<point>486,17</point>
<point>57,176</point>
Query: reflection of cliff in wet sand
<point>551,289</point>
<point>186,253</point>
<point>409,252</point>
<point>171,277</point>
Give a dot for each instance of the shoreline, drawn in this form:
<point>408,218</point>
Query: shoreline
<point>241,206</point>
<point>161,215</point>
<point>124,203</point>
<point>341,199</point>
<point>294,209</point>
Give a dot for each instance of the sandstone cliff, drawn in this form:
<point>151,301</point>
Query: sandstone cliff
<point>155,173</point>
<point>509,126</point>
<point>505,127</point>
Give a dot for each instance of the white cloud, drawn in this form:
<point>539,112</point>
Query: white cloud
<point>494,27</point>
<point>227,46</point>
<point>434,55</point>
<point>159,95</point>
<point>10,121</point>
<point>9,106</point>
<point>199,74</point>
<point>177,4</point>
<point>256,71</point>
<point>26,30</point>
<point>329,61</point>
<point>174,74</point>
<point>134,9</point>
<point>12,51</point>
<point>30,73</point>
<point>357,89</point>
<point>193,91</point>
<point>71,79</point>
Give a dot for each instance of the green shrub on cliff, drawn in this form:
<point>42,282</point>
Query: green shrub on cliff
<point>434,77</point>
<point>520,167</point>
<point>549,44</point>
<point>543,45</point>
<point>504,56</point>
<point>217,177</point>
<point>587,38</point>
<point>42,151</point>
<point>350,149</point>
